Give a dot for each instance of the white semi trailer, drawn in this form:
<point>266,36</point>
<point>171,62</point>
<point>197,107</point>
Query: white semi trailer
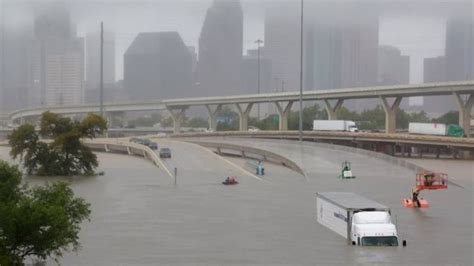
<point>360,220</point>
<point>335,125</point>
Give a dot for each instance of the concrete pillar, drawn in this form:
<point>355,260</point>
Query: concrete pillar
<point>332,111</point>
<point>465,108</point>
<point>177,115</point>
<point>244,115</point>
<point>390,113</point>
<point>283,111</point>
<point>212,115</point>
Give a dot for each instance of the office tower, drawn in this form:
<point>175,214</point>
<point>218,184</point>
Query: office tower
<point>56,58</point>
<point>282,43</point>
<point>459,48</point>
<point>249,73</point>
<point>456,65</point>
<point>220,49</point>
<point>157,65</point>
<point>393,68</point>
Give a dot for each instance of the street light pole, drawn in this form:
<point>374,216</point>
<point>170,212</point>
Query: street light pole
<point>102,69</point>
<point>301,78</point>
<point>258,42</point>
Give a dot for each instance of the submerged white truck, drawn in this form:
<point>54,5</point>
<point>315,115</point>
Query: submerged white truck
<point>360,220</point>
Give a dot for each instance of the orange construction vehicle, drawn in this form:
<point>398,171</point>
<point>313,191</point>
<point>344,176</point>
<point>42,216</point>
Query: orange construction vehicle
<point>425,180</point>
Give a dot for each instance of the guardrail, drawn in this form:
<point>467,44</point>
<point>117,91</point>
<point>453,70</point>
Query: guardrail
<point>125,147</point>
<point>251,152</point>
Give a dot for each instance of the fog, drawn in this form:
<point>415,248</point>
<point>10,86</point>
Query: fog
<point>416,28</point>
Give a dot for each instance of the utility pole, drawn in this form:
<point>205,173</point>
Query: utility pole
<point>301,77</point>
<point>102,69</point>
<point>258,42</point>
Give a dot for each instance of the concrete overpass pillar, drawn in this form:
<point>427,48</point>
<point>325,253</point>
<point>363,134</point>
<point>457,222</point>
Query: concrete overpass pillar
<point>390,113</point>
<point>332,111</point>
<point>212,115</point>
<point>465,108</point>
<point>244,115</point>
<point>177,114</point>
<point>283,111</point>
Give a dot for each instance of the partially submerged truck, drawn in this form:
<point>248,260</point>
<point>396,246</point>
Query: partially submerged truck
<point>360,220</point>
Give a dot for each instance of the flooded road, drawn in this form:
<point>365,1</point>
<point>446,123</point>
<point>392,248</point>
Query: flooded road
<point>140,218</point>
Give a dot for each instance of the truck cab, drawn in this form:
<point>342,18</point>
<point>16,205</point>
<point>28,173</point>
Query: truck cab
<point>351,126</point>
<point>373,228</point>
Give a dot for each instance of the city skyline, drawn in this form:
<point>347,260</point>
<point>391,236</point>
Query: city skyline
<point>186,18</point>
<point>350,73</point>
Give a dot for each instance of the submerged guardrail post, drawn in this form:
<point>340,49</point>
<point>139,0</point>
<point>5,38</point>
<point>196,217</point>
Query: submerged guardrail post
<point>175,176</point>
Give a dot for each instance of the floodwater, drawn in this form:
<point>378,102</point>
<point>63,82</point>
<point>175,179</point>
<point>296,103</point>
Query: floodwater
<point>140,218</point>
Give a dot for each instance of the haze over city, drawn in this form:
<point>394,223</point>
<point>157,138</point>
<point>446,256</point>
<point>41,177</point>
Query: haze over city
<point>415,29</point>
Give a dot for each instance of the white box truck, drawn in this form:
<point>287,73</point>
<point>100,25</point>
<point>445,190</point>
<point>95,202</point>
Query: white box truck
<point>427,128</point>
<point>360,220</point>
<point>335,125</point>
<point>437,129</point>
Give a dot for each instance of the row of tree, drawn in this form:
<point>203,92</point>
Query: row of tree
<point>370,119</point>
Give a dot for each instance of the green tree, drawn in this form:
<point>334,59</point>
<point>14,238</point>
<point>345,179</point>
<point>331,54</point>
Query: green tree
<point>197,122</point>
<point>227,119</point>
<point>310,113</point>
<point>344,114</point>
<point>64,154</point>
<point>372,118</point>
<point>451,117</point>
<point>41,222</point>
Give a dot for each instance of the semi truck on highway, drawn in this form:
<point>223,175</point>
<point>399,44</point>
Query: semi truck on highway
<point>360,220</point>
<point>335,125</point>
<point>436,129</point>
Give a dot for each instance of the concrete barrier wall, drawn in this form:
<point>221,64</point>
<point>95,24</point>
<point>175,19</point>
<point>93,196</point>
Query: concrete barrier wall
<point>252,151</point>
<point>377,155</point>
<point>380,156</point>
<point>125,147</point>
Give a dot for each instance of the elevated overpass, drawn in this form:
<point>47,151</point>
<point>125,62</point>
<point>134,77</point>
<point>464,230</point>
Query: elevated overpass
<point>392,144</point>
<point>390,98</point>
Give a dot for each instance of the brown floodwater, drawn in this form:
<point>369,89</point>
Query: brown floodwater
<point>140,218</point>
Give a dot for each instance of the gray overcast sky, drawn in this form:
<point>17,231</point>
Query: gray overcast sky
<point>417,36</point>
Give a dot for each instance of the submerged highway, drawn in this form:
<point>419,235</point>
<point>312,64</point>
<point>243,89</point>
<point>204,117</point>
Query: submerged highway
<point>139,217</point>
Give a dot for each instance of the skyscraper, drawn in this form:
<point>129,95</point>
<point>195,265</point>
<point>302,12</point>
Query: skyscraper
<point>434,69</point>
<point>249,73</point>
<point>57,58</point>
<point>220,49</point>
<point>457,64</point>
<point>282,42</point>
<point>157,65</point>
<point>340,44</point>
<point>393,68</point>
<point>459,48</point>
<point>14,70</point>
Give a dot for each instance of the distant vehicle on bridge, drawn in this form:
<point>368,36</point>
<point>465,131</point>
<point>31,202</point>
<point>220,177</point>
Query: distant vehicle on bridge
<point>437,129</point>
<point>335,125</point>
